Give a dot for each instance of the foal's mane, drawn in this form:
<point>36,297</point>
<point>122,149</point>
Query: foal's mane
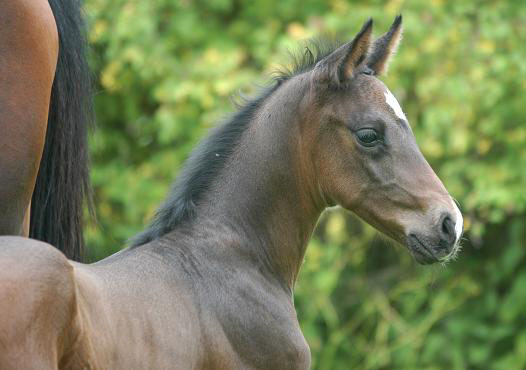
<point>209,157</point>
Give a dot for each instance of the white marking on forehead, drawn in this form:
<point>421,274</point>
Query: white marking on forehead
<point>459,221</point>
<point>393,103</point>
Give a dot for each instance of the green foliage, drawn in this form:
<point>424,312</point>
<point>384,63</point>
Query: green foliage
<point>166,70</point>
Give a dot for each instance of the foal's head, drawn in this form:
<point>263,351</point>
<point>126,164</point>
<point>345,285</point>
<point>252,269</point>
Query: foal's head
<point>365,155</point>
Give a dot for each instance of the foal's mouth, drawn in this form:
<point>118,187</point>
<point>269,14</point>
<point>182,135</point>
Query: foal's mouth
<point>426,254</point>
<point>421,253</point>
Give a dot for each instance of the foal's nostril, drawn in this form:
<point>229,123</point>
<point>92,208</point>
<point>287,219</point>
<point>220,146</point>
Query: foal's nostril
<point>447,229</point>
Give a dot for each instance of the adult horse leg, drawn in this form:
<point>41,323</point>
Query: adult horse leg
<point>28,56</point>
<point>27,220</point>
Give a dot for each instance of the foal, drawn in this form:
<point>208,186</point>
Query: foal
<point>209,284</point>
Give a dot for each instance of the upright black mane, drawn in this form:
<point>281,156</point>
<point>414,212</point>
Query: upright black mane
<point>208,159</point>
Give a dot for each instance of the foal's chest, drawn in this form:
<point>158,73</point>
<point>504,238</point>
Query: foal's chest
<point>254,329</point>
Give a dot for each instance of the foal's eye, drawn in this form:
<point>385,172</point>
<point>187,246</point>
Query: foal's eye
<point>368,136</point>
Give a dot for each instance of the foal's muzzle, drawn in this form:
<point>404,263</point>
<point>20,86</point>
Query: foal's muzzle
<point>441,243</point>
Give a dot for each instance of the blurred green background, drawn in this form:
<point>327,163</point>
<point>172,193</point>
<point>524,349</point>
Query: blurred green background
<point>166,71</point>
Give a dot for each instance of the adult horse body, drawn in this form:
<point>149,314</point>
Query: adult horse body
<point>44,112</point>
<point>209,284</point>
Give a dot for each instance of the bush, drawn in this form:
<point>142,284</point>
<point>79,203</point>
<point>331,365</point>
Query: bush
<point>166,70</point>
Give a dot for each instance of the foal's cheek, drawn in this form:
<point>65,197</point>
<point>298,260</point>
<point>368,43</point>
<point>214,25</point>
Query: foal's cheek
<point>347,183</point>
<point>339,167</point>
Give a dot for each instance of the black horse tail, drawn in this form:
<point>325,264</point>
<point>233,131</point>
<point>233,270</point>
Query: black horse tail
<point>62,187</point>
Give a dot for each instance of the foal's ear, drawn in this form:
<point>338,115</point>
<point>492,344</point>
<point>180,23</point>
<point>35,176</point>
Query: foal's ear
<point>384,47</point>
<point>340,65</point>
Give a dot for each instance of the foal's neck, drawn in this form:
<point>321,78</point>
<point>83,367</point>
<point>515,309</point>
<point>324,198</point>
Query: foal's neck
<point>267,187</point>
